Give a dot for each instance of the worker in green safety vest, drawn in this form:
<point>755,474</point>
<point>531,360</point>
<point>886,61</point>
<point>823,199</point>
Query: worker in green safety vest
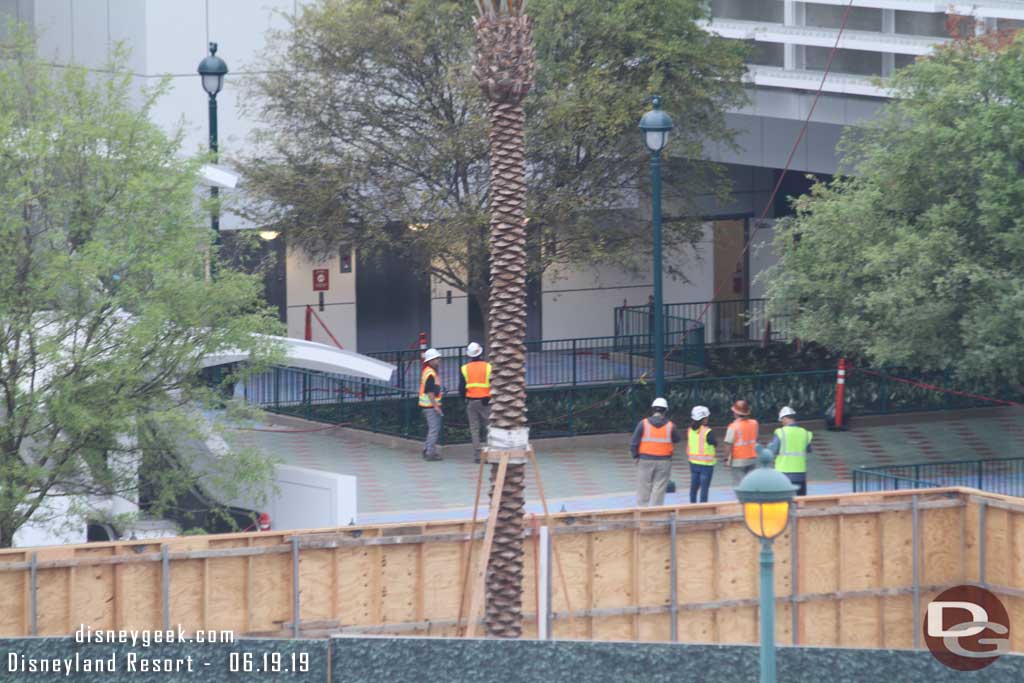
<point>790,447</point>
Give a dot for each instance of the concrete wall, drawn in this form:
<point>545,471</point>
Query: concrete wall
<point>580,302</point>
<point>449,315</point>
<point>479,660</point>
<point>339,312</point>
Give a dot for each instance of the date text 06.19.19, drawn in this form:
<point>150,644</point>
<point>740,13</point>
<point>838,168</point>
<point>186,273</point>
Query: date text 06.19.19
<point>268,662</point>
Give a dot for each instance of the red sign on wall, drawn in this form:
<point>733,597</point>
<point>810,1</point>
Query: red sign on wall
<point>321,280</point>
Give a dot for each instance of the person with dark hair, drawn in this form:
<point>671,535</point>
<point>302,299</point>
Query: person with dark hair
<point>700,451</point>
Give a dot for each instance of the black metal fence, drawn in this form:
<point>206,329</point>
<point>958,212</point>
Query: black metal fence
<point>737,321</point>
<point>574,362</point>
<point>1003,475</point>
<point>598,408</point>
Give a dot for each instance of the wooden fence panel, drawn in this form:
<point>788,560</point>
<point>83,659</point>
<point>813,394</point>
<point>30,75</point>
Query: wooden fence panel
<point>854,575</point>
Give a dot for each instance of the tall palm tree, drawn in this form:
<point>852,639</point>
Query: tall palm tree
<point>504,68</point>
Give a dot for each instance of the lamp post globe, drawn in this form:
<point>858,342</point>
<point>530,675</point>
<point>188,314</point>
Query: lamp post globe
<point>766,496</point>
<point>212,70</point>
<point>656,125</point>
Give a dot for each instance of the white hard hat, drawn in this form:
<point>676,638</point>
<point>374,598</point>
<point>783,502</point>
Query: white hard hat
<point>430,354</point>
<point>660,403</point>
<point>786,412</point>
<point>699,413</point>
<point>474,350</point>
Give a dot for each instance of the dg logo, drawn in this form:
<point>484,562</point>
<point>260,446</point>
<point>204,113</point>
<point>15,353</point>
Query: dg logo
<point>967,628</point>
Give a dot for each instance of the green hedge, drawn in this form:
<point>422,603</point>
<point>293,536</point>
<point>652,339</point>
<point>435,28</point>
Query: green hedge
<point>614,408</point>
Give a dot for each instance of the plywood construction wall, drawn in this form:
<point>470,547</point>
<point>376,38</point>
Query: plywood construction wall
<point>846,574</point>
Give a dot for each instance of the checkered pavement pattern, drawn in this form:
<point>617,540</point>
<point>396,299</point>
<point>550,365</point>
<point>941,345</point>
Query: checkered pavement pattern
<point>395,480</point>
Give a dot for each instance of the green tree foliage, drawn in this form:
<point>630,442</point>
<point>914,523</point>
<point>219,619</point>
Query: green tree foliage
<point>374,123</point>
<point>105,309</point>
<point>914,257</point>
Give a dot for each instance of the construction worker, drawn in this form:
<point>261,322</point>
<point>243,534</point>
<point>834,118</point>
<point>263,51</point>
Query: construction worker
<point>475,387</point>
<point>790,447</point>
<point>652,448</point>
<point>700,451</point>
<point>430,402</point>
<point>741,442</point>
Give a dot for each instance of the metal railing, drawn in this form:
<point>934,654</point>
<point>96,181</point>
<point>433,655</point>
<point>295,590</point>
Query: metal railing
<point>585,407</point>
<point>1000,475</point>
<point>737,321</point>
<point>558,362</point>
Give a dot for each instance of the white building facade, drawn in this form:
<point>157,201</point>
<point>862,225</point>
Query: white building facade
<point>790,44</point>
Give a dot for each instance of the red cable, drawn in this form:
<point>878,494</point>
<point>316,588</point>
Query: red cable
<point>935,388</point>
<point>292,431</point>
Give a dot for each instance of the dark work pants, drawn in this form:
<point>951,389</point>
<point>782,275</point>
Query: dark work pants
<point>800,480</point>
<point>700,479</point>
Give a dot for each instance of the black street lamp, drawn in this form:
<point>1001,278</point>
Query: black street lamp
<point>212,70</point>
<point>656,125</point>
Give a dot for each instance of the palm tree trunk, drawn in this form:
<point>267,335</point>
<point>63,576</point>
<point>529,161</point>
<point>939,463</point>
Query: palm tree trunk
<point>507,324</point>
<point>505,64</point>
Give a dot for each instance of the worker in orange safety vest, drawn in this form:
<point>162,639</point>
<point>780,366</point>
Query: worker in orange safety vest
<point>741,442</point>
<point>475,387</point>
<point>652,447</point>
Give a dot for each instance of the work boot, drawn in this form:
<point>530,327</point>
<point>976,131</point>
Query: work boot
<point>432,457</point>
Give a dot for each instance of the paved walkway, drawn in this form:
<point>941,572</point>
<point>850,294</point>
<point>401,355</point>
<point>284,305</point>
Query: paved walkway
<point>395,484</point>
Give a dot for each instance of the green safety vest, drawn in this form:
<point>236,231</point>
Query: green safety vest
<point>793,443</point>
<point>698,450</point>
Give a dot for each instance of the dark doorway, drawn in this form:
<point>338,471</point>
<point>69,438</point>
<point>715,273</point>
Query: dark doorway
<point>534,331</point>
<point>477,324</point>
<point>393,303</point>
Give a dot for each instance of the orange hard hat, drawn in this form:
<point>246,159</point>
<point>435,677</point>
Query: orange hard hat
<point>741,407</point>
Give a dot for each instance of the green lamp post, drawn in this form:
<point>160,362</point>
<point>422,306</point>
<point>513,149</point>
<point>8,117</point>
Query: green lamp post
<point>766,496</point>
<point>656,125</point>
<point>212,71</point>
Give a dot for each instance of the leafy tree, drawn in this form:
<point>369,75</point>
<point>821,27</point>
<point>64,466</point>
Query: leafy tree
<point>914,256</point>
<point>375,133</point>
<point>105,310</point>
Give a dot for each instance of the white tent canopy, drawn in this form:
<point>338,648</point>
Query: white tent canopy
<point>315,356</point>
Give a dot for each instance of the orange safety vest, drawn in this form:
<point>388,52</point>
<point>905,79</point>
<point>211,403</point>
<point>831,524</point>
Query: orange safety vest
<point>424,396</point>
<point>477,374</point>
<point>656,441</point>
<point>745,431</point>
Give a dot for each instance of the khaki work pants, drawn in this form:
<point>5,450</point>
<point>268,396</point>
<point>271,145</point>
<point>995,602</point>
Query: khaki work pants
<point>651,481</point>
<point>479,416</point>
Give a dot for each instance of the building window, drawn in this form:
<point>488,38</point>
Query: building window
<point>922,23</point>
<point>749,10</point>
<point>765,54</point>
<point>831,16</point>
<point>856,62</point>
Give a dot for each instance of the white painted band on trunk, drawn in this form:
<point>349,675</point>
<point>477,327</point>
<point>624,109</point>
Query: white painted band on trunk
<point>508,439</point>
<point>840,381</point>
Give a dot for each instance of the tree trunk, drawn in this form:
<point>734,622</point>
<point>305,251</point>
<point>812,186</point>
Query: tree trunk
<point>505,64</point>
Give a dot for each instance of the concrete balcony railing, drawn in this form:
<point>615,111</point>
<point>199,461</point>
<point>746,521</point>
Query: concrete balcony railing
<point>982,9</point>
<point>775,77</point>
<point>869,41</point>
